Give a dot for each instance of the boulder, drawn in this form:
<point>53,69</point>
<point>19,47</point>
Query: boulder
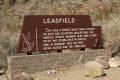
<point>94,69</point>
<point>103,60</point>
<point>23,76</point>
<point>114,62</point>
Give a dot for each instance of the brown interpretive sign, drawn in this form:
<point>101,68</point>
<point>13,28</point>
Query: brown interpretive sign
<point>58,32</point>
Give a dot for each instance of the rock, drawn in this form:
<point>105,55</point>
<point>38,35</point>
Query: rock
<point>51,72</point>
<point>103,60</point>
<point>23,76</point>
<point>114,62</point>
<point>94,69</point>
<point>26,76</point>
<point>0,78</point>
<point>22,1</point>
<point>115,51</point>
<point>8,4</point>
<point>2,72</point>
<point>4,77</point>
<point>1,3</point>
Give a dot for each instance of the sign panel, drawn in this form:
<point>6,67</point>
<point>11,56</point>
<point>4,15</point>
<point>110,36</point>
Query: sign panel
<point>46,33</point>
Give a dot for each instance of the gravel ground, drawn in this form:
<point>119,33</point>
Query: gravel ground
<point>77,73</point>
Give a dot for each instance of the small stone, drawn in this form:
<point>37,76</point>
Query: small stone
<point>94,69</point>
<point>51,72</point>
<point>103,60</point>
<point>23,76</point>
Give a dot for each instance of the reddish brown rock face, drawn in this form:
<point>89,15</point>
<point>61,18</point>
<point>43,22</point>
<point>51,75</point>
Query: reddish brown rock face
<point>58,32</point>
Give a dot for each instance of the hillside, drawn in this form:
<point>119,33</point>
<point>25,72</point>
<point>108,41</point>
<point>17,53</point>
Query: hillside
<point>105,13</point>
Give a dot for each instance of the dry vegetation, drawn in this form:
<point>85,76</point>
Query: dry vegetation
<point>103,12</point>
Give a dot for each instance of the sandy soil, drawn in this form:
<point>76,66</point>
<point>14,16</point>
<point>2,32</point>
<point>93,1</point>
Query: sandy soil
<point>77,73</point>
<point>74,73</point>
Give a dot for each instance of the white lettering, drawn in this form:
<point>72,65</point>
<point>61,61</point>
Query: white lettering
<point>58,20</point>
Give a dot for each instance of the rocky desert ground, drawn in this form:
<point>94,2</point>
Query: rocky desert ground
<point>102,12</point>
<point>77,73</point>
<point>74,73</point>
